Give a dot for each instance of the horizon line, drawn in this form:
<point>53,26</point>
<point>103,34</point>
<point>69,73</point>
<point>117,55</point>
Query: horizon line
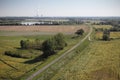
<point>58,16</point>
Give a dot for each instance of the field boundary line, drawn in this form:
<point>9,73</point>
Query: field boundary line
<point>8,64</point>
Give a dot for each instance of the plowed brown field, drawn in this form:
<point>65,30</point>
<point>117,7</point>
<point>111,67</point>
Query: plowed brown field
<point>46,28</point>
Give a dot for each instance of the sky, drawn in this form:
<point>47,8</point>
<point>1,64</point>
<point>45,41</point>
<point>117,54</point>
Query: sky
<point>61,8</point>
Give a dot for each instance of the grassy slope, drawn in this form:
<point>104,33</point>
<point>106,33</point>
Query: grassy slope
<point>99,61</point>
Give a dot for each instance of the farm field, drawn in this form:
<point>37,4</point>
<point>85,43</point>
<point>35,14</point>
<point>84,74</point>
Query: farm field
<point>99,61</point>
<point>37,30</point>
<point>12,68</point>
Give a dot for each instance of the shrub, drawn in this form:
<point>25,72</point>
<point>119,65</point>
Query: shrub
<point>27,44</point>
<point>106,35</point>
<point>12,54</point>
<point>79,32</point>
<point>18,54</point>
<point>54,44</point>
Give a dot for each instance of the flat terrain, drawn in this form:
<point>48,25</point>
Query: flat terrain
<point>45,29</point>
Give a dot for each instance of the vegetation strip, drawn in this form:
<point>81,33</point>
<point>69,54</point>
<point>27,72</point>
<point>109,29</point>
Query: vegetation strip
<point>45,67</point>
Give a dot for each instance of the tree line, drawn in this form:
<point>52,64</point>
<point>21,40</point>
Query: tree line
<point>49,46</point>
<point>114,23</point>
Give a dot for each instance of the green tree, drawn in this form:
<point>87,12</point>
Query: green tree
<point>79,32</point>
<point>27,44</point>
<point>48,47</point>
<point>59,41</point>
<point>106,35</point>
<point>37,44</point>
<point>22,44</point>
<point>53,45</point>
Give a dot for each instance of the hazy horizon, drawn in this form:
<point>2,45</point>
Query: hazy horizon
<point>60,8</point>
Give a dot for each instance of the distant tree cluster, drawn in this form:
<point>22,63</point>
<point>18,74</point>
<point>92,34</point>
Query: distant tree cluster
<point>106,35</point>
<point>102,23</point>
<point>9,22</point>
<point>115,28</point>
<point>53,45</point>
<point>114,23</point>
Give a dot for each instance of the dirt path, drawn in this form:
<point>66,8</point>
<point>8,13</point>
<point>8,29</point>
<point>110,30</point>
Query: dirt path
<point>54,61</point>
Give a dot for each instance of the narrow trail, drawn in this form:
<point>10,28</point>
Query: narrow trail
<point>54,61</point>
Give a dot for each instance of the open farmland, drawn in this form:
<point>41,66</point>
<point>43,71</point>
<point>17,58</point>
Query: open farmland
<point>37,30</point>
<point>99,61</point>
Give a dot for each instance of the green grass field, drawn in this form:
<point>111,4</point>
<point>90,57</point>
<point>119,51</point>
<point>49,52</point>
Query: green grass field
<point>12,43</point>
<point>99,61</point>
<point>16,67</point>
